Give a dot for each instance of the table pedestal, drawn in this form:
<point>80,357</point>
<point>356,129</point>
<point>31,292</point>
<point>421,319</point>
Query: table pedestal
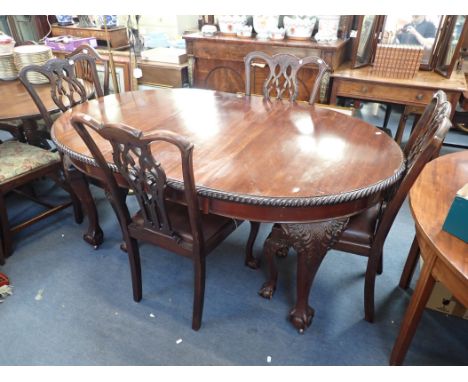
<point>311,241</point>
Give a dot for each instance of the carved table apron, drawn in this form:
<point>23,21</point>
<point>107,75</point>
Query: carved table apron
<point>295,164</point>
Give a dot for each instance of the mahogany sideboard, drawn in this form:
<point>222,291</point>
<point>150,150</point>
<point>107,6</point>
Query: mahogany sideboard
<point>217,62</point>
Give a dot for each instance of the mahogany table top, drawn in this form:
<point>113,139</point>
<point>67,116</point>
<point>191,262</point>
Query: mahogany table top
<point>250,151</point>
<point>16,103</point>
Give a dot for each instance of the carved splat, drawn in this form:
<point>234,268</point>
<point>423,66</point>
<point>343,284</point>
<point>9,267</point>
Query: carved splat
<point>282,79</point>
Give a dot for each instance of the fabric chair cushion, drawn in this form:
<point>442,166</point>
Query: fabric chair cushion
<point>18,158</point>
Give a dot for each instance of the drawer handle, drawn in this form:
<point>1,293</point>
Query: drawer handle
<point>364,89</point>
<point>258,65</point>
<point>419,97</point>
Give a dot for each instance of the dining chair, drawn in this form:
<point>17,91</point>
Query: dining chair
<point>367,231</point>
<point>413,255</point>
<point>281,81</point>
<point>178,227</point>
<point>66,89</point>
<point>20,165</point>
<point>83,68</point>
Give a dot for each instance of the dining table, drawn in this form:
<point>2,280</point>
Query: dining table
<point>16,104</point>
<point>305,167</point>
<point>445,256</point>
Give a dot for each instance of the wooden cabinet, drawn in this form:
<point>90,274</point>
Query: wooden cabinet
<point>117,36</point>
<point>218,62</point>
<point>163,74</point>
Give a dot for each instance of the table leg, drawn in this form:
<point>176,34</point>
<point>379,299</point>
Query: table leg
<point>311,241</point>
<point>250,260</point>
<point>34,136</point>
<point>414,312</point>
<point>79,184</point>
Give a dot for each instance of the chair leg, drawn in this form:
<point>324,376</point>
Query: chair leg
<point>135,268</point>
<point>250,259</point>
<point>410,265</point>
<point>5,228</point>
<point>62,180</point>
<point>369,283</point>
<point>380,266</point>
<point>199,290</point>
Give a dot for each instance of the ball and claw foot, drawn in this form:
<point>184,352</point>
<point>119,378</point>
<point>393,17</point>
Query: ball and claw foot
<point>267,290</point>
<point>301,320</point>
<point>282,252</point>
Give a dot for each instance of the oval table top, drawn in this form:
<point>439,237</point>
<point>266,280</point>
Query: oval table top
<point>430,199</point>
<point>16,103</point>
<point>251,151</point>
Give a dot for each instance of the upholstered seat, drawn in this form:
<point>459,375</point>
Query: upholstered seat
<point>17,158</point>
<point>213,226</point>
<point>20,165</point>
<point>359,232</point>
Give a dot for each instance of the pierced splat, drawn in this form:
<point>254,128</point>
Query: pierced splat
<point>282,79</point>
<point>66,89</point>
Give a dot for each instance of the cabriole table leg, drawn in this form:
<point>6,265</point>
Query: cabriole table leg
<point>79,183</point>
<point>311,241</point>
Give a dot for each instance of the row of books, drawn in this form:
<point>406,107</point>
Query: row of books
<point>397,61</point>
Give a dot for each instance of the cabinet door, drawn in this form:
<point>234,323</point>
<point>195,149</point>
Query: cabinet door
<point>226,76</point>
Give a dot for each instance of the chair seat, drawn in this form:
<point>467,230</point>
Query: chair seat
<point>214,227</point>
<point>18,158</point>
<point>360,231</point>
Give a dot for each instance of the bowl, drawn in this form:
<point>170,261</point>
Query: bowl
<point>299,27</point>
<point>264,24</point>
<point>229,24</point>
<point>277,34</point>
<point>244,31</point>
<point>208,30</point>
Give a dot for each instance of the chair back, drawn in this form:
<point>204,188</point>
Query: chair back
<point>84,70</point>
<point>66,89</point>
<point>135,161</point>
<point>283,74</point>
<point>424,124</point>
<point>424,148</point>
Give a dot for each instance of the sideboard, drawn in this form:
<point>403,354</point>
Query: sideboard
<point>217,62</point>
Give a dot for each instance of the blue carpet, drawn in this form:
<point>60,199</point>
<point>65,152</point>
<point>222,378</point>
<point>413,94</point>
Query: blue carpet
<point>72,305</point>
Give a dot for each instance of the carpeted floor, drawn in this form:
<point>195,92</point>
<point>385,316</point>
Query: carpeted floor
<point>72,305</point>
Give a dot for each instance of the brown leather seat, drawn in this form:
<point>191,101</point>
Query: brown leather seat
<point>213,226</point>
<point>358,234</point>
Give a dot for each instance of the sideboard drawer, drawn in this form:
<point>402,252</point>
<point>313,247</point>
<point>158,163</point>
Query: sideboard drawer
<point>386,93</point>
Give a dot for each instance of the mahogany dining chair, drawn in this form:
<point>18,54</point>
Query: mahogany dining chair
<point>83,67</point>
<point>178,227</point>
